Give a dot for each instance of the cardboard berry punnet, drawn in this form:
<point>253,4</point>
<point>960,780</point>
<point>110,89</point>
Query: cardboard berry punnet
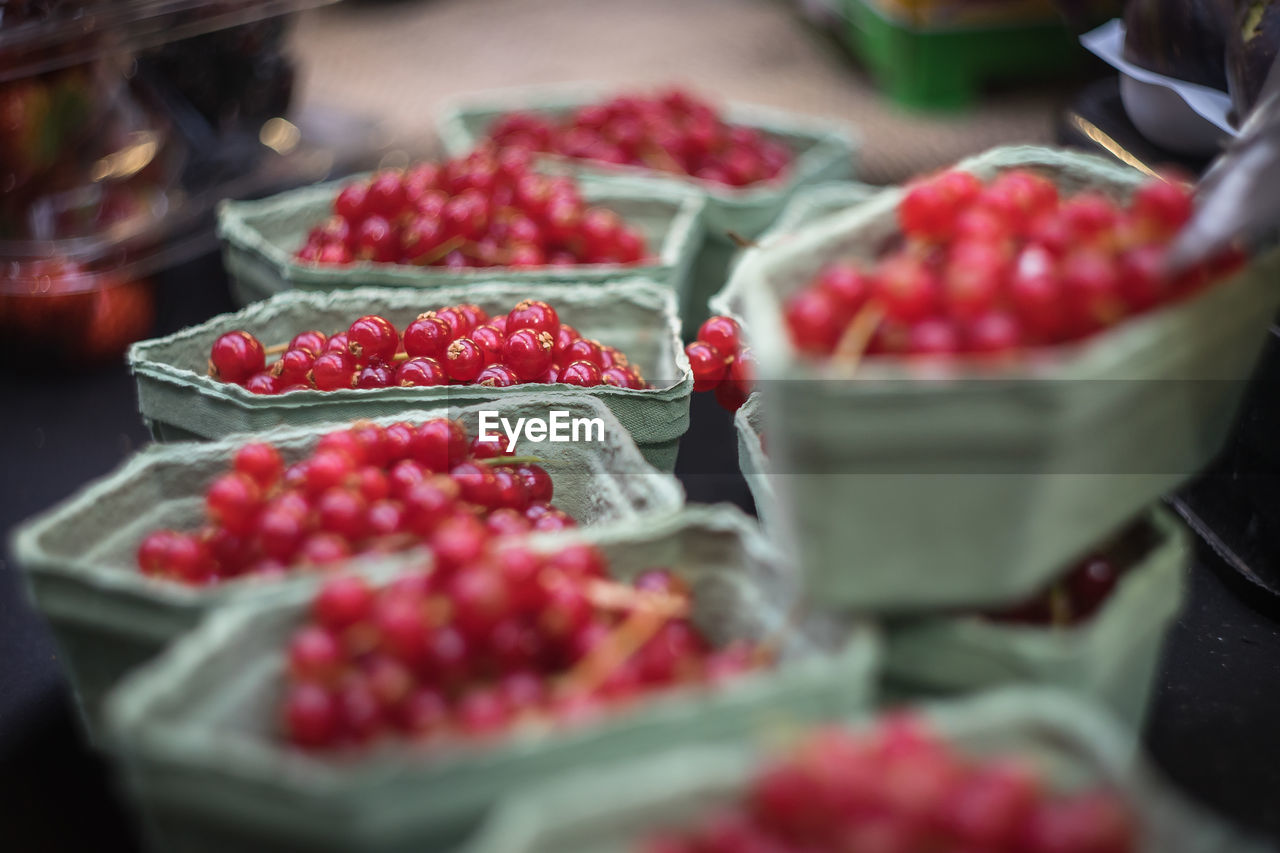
<point>915,487</point>
<point>80,564</point>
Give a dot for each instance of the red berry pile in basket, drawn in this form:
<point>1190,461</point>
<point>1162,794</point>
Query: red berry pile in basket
<point>899,787</point>
<point>459,345</point>
<point>672,132</point>
<point>488,209</point>
<point>721,362</point>
<point>1071,600</point>
<point>994,269</point>
<point>363,489</point>
<point>489,638</point>
<point>1083,590</point>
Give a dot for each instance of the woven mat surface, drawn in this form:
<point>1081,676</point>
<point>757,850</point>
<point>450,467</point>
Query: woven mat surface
<point>398,60</point>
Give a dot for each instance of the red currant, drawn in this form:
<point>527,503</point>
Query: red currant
<point>236,356</point>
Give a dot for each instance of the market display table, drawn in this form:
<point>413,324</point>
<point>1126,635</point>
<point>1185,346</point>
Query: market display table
<point>1211,726</point>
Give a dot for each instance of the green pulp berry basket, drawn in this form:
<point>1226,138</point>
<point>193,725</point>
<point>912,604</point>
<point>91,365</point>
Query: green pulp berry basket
<point>79,564</point>
<point>824,151</point>
<point>911,490</point>
<point>1072,744</point>
<point>179,401</point>
<point>1110,658</point>
<point>259,239</point>
<point>808,205</point>
<point>198,736</point>
<point>748,423</point>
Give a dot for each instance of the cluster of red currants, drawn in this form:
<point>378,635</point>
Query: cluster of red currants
<point>488,638</point>
<point>1072,599</point>
<point>900,787</point>
<point>459,344</point>
<point>722,362</point>
<point>990,270</point>
<point>363,489</point>
<point>673,132</point>
<point>484,210</point>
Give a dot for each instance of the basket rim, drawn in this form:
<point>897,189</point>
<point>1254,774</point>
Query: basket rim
<point>34,560</point>
<point>237,226</point>
<point>1100,355</point>
<point>142,363</point>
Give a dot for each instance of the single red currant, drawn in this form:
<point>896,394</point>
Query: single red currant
<point>583,374</point>
<point>528,352</point>
<point>236,356</point>
<point>420,372</point>
<point>333,370</point>
<point>260,462</point>
<point>708,363</point>
<point>463,360</point>
<point>428,336</point>
<point>372,338</point>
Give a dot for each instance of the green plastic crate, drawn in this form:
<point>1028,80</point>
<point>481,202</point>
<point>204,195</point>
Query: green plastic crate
<point>179,401</point>
<point>907,490</point>
<point>259,239</point>
<point>944,68</point>
<point>196,729</point>
<point>1071,742</point>
<point>808,205</point>
<point>78,557</point>
<point>824,151</point>
<point>1112,658</point>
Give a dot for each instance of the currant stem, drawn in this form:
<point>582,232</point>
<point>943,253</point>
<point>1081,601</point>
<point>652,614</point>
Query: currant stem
<point>614,650</point>
<point>275,349</point>
<point>513,460</point>
<point>612,595</point>
<point>740,241</point>
<point>440,251</point>
<point>1059,605</point>
<point>857,335</point>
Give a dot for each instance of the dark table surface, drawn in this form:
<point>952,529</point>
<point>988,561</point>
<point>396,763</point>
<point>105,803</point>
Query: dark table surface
<point>1211,729</point>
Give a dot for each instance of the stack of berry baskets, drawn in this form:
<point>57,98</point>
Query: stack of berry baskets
<point>956,414</point>
<point>378,351</point>
<point>621,642</point>
<point>1016,770</point>
<point>484,215</point>
<point>745,161</point>
<point>1097,627</point>
<point>137,558</point>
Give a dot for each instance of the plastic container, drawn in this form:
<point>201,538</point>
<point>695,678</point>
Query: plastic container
<point>972,489</point>
<point>260,238</point>
<point>39,37</point>
<point>79,557</point>
<point>808,205</point>
<point>1111,658</point>
<point>179,400</point>
<point>937,66</point>
<point>610,810</point>
<point>824,151</point>
<point>199,742</point>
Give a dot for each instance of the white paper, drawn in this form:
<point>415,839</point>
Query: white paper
<point>1107,43</point>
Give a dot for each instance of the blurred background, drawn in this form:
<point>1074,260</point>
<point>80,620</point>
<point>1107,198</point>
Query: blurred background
<point>123,123</point>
